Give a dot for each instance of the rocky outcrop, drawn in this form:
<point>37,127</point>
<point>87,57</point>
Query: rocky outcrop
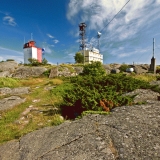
<point>25,71</point>
<point>53,72</point>
<point>78,70</point>
<point>8,66</point>
<point>129,132</point>
<point>107,68</point>
<point>115,71</point>
<point>65,71</point>
<point>14,91</point>
<point>10,102</point>
<point>14,100</point>
<point>143,95</point>
<point>155,83</point>
<point>141,68</point>
<point>5,74</point>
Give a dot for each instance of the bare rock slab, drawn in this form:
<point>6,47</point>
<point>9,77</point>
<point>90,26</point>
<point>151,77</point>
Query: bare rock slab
<point>10,102</point>
<point>14,91</point>
<point>8,66</point>
<point>129,132</point>
<point>143,95</point>
<point>5,74</point>
<point>25,71</point>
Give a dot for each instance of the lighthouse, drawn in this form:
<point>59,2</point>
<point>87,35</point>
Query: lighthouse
<point>31,51</point>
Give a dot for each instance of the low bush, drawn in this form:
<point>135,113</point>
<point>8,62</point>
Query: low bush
<point>123,67</point>
<point>97,93</point>
<point>93,90</point>
<point>10,60</point>
<point>47,73</point>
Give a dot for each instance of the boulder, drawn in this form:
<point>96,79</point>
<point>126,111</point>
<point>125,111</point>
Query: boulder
<point>53,72</point>
<point>14,91</point>
<point>10,102</point>
<point>8,66</point>
<point>78,70</point>
<point>65,71</point>
<point>129,132</point>
<point>25,71</point>
<point>115,70</point>
<point>107,68</point>
<point>140,69</point>
<point>143,95</point>
<point>115,65</point>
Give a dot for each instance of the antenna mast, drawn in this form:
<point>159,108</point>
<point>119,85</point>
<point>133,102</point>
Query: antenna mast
<point>153,46</point>
<point>98,36</point>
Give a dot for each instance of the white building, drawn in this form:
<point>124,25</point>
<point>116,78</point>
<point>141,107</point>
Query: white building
<point>92,55</point>
<point>31,51</point>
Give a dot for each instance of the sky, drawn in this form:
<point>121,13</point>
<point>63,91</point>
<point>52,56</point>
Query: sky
<point>53,24</point>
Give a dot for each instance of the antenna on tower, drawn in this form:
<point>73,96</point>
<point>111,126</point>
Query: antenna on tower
<point>31,36</point>
<point>98,36</point>
<point>153,46</point>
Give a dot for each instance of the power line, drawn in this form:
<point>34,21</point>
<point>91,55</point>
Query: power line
<point>114,16</point>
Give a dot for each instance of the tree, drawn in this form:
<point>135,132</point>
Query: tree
<point>79,58</point>
<point>44,61</point>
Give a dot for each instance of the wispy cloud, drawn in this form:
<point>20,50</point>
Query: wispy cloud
<point>55,41</point>
<point>8,20</point>
<point>52,37</point>
<point>6,50</point>
<point>97,14</point>
<point>49,35</point>
<point>6,53</point>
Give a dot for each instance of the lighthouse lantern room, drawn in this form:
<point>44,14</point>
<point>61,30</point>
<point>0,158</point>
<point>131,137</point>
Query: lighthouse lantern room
<point>31,51</point>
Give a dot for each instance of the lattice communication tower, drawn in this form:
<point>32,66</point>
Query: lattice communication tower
<point>82,35</point>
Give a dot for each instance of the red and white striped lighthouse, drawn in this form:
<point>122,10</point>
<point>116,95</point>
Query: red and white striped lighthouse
<point>31,51</point>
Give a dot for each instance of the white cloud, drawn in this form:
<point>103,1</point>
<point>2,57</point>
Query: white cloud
<point>55,41</point>
<point>9,20</point>
<point>6,53</point>
<point>49,35</point>
<point>6,50</point>
<point>47,49</point>
<point>134,16</point>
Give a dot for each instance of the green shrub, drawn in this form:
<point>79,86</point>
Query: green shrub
<point>93,69</point>
<point>95,91</point>
<point>158,78</point>
<point>47,73</point>
<point>123,67</point>
<point>158,69</point>
<point>57,120</point>
<point>10,60</point>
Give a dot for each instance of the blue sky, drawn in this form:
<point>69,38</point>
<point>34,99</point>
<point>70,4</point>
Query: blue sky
<point>54,25</point>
